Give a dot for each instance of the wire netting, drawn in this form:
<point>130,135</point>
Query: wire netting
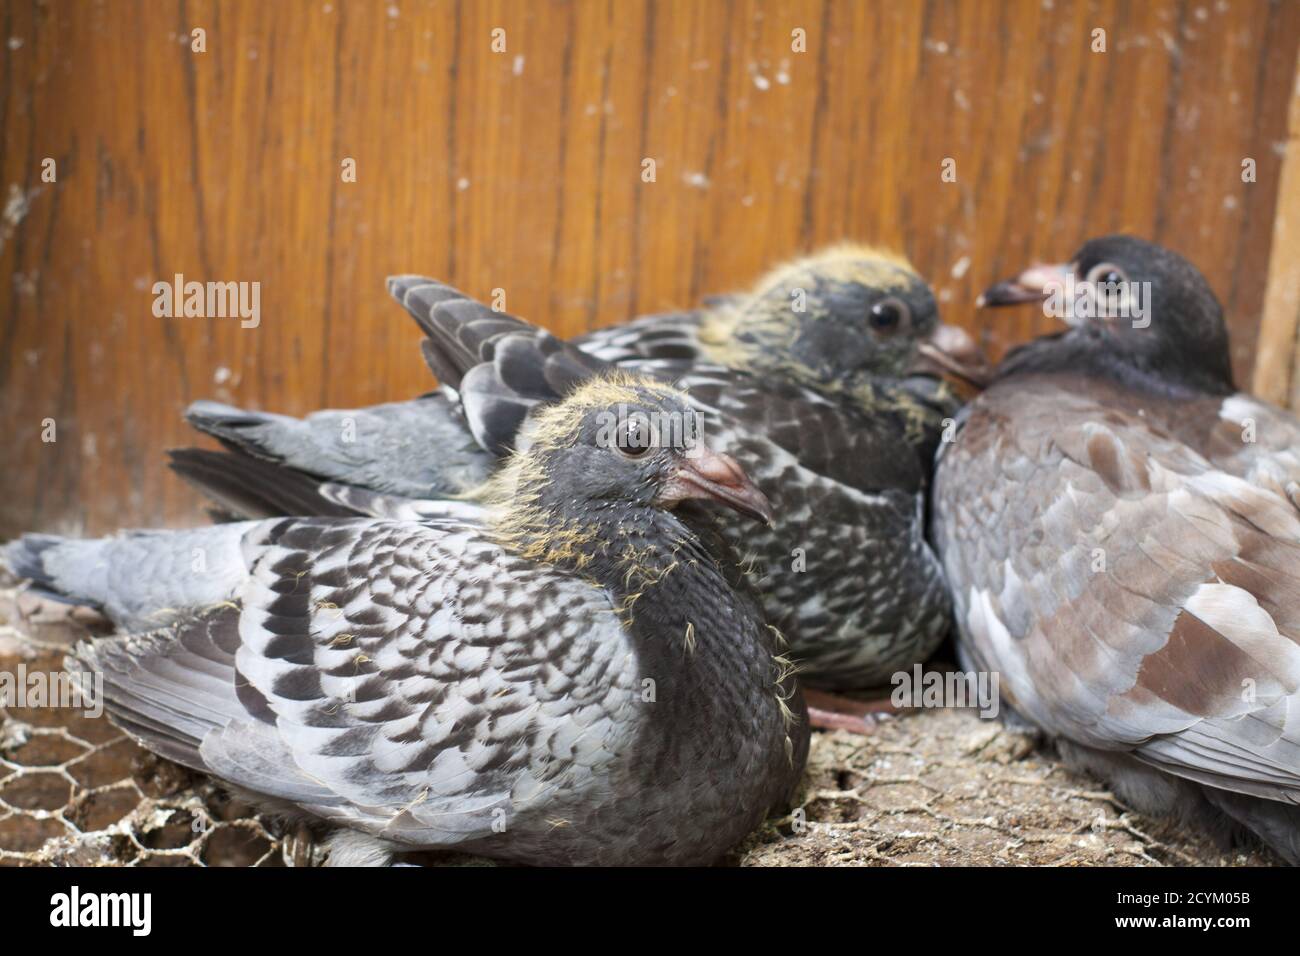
<point>76,791</point>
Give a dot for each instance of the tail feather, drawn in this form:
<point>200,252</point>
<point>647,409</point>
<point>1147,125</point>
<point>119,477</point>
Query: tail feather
<point>139,579</point>
<point>522,369</point>
<point>250,487</point>
<point>1276,824</point>
<point>458,329</point>
<point>69,570</point>
<point>501,366</point>
<point>25,557</point>
<point>228,424</point>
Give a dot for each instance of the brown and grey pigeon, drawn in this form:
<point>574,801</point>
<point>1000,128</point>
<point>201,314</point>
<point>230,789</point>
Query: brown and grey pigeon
<point>568,669</point>
<point>1120,528</point>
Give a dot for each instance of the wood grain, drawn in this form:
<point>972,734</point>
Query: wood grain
<point>1278,355</point>
<point>521,171</point>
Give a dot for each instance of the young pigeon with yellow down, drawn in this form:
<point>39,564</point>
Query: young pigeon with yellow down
<point>1121,530</point>
<point>570,669</point>
<point>822,381</point>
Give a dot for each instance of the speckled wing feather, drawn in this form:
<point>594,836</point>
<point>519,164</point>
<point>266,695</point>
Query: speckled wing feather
<point>460,333</point>
<point>670,336</point>
<point>846,572</point>
<point>456,327</point>
<point>520,370</point>
<point>824,436</point>
<point>514,365</point>
<point>381,674</point>
<point>1133,594</point>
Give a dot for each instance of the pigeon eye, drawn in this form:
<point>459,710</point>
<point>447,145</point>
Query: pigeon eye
<point>635,438</point>
<point>887,315</point>
<point>1104,273</point>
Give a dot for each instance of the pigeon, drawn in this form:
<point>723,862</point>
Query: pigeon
<point>839,321</point>
<point>823,381</point>
<point>567,667</point>
<point>1121,530</point>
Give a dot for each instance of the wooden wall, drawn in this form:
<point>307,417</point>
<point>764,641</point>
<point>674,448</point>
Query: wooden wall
<point>522,171</point>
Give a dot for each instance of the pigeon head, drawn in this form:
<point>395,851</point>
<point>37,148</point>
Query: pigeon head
<point>1137,312</point>
<point>833,320</point>
<point>607,463</point>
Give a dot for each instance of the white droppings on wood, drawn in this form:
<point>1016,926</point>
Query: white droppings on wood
<point>17,205</point>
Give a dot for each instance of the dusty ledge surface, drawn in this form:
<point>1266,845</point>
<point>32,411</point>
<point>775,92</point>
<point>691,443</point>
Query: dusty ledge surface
<point>945,788</point>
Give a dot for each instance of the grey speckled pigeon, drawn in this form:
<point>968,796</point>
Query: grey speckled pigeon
<point>821,381</point>
<point>1120,528</point>
<point>571,670</point>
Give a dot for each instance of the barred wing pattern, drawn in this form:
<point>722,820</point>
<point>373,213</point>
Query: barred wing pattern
<point>420,682</point>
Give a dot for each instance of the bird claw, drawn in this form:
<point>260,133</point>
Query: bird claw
<point>832,712</point>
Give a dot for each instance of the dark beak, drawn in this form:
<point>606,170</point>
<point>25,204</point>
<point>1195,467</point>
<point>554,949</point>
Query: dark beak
<point>1033,285</point>
<point>709,476</point>
<point>949,350</point>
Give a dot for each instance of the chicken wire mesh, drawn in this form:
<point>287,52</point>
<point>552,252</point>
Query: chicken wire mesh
<point>75,791</point>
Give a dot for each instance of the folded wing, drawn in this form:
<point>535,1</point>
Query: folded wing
<point>384,674</point>
<point>1132,594</point>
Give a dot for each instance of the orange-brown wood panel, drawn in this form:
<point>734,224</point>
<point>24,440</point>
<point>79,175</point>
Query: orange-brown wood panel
<point>522,171</point>
<point>1277,355</point>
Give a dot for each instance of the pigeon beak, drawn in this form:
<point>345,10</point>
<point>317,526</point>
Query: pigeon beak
<point>1033,285</point>
<point>951,351</point>
<point>709,476</point>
